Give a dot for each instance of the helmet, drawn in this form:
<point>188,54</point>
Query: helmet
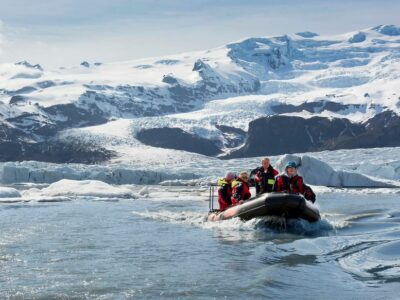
<point>291,164</point>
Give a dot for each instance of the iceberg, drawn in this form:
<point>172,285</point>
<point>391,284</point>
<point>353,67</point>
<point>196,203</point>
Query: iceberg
<point>317,172</point>
<point>86,188</point>
<point>8,192</point>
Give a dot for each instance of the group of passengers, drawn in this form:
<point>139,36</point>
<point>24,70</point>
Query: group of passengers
<point>235,189</point>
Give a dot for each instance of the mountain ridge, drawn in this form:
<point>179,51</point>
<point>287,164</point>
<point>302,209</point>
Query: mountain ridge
<point>355,74</point>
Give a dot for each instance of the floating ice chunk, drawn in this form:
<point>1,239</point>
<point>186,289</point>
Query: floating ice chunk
<point>7,192</point>
<point>144,192</point>
<point>91,188</point>
<point>317,172</point>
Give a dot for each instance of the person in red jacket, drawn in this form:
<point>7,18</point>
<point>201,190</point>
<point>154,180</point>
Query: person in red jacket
<point>264,177</point>
<point>289,182</point>
<point>240,189</point>
<point>225,190</point>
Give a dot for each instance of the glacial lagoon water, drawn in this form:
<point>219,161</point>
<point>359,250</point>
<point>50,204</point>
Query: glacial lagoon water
<point>161,247</point>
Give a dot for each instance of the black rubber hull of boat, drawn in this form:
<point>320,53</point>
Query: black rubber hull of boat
<point>273,204</point>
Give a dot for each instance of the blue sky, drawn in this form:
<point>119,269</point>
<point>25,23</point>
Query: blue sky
<point>65,32</point>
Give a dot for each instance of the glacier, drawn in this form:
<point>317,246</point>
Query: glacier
<point>89,115</point>
<point>181,168</point>
<point>230,85</point>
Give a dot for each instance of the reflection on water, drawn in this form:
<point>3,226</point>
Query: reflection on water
<point>156,248</point>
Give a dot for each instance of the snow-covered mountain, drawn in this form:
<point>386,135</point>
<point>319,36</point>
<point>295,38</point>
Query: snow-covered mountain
<point>336,91</point>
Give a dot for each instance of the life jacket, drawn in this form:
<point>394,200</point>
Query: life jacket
<point>224,194</point>
<point>264,180</point>
<point>293,185</point>
<point>240,191</point>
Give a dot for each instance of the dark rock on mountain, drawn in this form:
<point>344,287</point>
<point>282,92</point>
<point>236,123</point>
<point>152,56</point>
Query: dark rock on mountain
<point>23,90</point>
<point>33,124</point>
<point>233,136</point>
<point>54,151</point>
<point>358,38</point>
<point>17,99</point>
<point>16,145</point>
<point>289,134</point>
<point>383,130</point>
<point>169,79</point>
<point>390,30</point>
<point>176,138</point>
<point>28,65</point>
<point>54,118</point>
<point>230,129</point>
<point>307,34</point>
<point>69,115</point>
<point>45,84</point>
<point>85,64</point>
<point>167,62</point>
<point>9,133</point>
<point>316,107</point>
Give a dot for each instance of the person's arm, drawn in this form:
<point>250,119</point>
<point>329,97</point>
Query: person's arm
<point>253,180</point>
<point>237,192</point>
<point>258,177</point>
<point>300,184</point>
<point>309,193</point>
<point>276,187</point>
<point>247,195</point>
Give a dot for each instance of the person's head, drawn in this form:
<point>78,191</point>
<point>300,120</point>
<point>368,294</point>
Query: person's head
<point>229,176</point>
<point>244,176</point>
<point>291,168</point>
<point>265,163</point>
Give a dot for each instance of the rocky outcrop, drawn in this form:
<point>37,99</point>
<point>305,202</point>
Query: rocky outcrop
<point>317,107</point>
<point>383,130</point>
<point>290,134</point>
<point>176,138</point>
<point>233,137</point>
<point>54,151</point>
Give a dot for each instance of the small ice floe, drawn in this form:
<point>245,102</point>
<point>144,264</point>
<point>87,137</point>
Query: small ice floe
<point>8,192</point>
<point>144,192</point>
<point>10,195</point>
<point>86,188</point>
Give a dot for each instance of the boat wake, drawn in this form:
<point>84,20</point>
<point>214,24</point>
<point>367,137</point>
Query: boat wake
<point>265,224</point>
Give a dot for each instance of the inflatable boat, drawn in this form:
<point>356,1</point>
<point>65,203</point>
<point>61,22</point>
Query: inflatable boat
<point>272,204</point>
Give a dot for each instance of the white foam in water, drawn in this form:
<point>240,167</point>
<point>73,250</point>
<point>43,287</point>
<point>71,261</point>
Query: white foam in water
<point>199,219</point>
